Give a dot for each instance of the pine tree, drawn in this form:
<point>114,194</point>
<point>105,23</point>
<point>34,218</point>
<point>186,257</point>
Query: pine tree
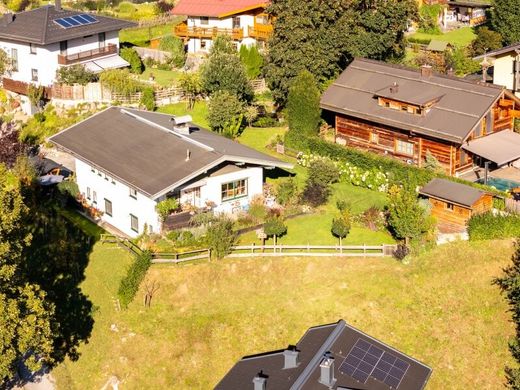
<point>303,104</point>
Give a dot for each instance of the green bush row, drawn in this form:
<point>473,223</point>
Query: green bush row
<point>134,276</point>
<point>420,41</point>
<point>396,171</point>
<point>488,226</point>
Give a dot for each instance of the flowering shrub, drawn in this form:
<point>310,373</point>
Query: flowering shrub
<point>373,179</point>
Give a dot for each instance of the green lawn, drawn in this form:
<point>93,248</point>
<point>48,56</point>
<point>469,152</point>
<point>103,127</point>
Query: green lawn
<point>141,36</point>
<point>460,37</point>
<point>199,112</point>
<point>441,309</point>
<point>165,78</point>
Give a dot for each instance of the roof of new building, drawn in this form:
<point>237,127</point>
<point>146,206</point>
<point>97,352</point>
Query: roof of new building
<point>142,149</point>
<point>515,47</point>
<point>216,8</point>
<point>40,26</point>
<point>460,107</point>
<point>360,362</point>
<point>452,192</point>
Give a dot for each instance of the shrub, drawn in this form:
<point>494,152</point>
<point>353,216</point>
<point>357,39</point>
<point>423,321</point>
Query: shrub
<point>343,206</point>
<point>252,60</point>
<point>148,99</point>
<point>223,111</point>
<point>265,121</point>
<point>175,47</point>
<point>220,237</point>
<point>420,41</point>
<point>75,74</point>
<point>303,104</point>
<point>69,188</point>
<point>274,227</point>
<point>401,252</point>
<point>341,227</point>
<point>286,191</point>
<point>131,56</point>
<point>323,172</point>
<point>135,274</point>
<point>119,81</point>
<point>35,93</point>
<point>315,194</point>
<point>372,218</point>
<point>488,226</point>
<point>166,206</point>
<point>257,210</point>
<point>203,219</point>
<point>486,40</point>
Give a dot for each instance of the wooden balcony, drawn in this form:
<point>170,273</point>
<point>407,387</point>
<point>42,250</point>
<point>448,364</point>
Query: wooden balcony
<point>183,31</point>
<point>260,32</point>
<point>86,55</point>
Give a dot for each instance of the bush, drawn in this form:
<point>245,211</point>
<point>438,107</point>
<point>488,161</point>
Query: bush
<point>257,210</point>
<point>286,191</point>
<point>265,121</point>
<point>175,47</point>
<point>131,56</point>
<point>486,40</point>
<point>401,252</point>
<point>166,206</point>
<point>488,226</point>
<point>75,74</point>
<point>420,41</point>
<point>323,172</point>
<point>135,274</point>
<point>315,194</point>
<point>303,104</point>
<point>119,81</point>
<point>69,188</point>
<point>274,227</point>
<point>148,99</point>
<point>428,21</point>
<point>341,227</point>
<point>220,237</point>
<point>224,110</point>
<point>252,60</point>
<point>372,218</point>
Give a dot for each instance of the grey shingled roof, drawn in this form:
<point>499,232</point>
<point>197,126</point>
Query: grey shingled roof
<point>452,192</point>
<point>140,149</point>
<point>461,106</point>
<point>497,52</point>
<point>37,26</point>
<point>337,339</point>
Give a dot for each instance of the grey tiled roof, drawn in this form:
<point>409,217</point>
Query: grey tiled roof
<point>451,191</point>
<point>37,26</point>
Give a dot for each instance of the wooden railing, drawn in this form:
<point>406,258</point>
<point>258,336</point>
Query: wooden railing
<point>68,59</point>
<point>261,32</point>
<point>181,257</point>
<point>182,30</point>
<point>312,250</point>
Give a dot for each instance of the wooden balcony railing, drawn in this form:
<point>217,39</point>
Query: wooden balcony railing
<point>260,32</point>
<point>183,31</point>
<point>87,54</point>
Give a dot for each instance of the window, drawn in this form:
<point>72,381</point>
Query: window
<point>14,60</point>
<point>203,44</point>
<point>34,74</point>
<point>133,193</point>
<point>92,169</point>
<point>404,108</point>
<point>404,147</point>
<point>374,137</point>
<point>94,197</point>
<point>63,48</point>
<point>449,206</point>
<point>32,48</point>
<point>134,223</point>
<point>88,193</point>
<point>236,21</point>
<point>108,207</point>
<point>101,39</point>
<point>235,189</point>
<point>204,20</point>
<point>387,104</point>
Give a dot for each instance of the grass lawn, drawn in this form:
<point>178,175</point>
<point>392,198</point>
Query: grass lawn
<point>441,309</point>
<point>165,78</point>
<point>459,37</point>
<point>199,112</point>
<point>140,36</point>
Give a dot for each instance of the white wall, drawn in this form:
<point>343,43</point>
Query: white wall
<point>122,204</point>
<point>46,58</point>
<point>503,71</point>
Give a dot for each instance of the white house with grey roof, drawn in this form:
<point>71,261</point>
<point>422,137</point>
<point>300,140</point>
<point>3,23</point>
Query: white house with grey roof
<point>128,160</point>
<point>42,40</point>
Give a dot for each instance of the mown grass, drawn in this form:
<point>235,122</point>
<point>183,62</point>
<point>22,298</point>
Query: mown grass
<point>441,308</point>
<point>461,37</point>
<point>199,112</point>
<point>165,78</point>
<point>141,36</point>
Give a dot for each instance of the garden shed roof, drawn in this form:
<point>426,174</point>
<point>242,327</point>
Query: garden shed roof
<point>452,192</point>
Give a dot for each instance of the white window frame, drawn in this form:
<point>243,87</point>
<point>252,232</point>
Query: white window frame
<point>132,219</point>
<point>236,187</point>
<point>403,147</point>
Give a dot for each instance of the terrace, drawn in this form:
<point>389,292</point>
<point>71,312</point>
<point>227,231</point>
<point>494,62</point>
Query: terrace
<point>183,31</point>
<point>69,59</point>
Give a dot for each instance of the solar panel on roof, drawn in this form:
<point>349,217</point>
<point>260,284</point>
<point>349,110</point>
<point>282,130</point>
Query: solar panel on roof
<point>366,360</point>
<point>75,21</point>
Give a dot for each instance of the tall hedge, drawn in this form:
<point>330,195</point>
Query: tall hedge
<point>134,276</point>
<point>303,104</point>
<point>488,226</point>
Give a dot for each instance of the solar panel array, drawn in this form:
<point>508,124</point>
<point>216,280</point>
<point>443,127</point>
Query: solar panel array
<point>75,21</point>
<point>365,359</point>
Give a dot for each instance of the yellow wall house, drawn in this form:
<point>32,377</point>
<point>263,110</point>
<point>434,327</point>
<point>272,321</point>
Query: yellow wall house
<point>506,66</point>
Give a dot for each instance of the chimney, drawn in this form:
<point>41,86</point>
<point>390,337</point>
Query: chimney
<point>57,5</point>
<point>259,382</point>
<point>327,371</point>
<point>290,356</point>
<point>181,124</point>
<point>8,18</point>
<point>394,88</point>
<point>188,155</point>
<point>426,71</point>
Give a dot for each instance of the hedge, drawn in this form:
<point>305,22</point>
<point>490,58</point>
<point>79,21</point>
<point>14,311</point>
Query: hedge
<point>135,274</point>
<point>420,41</point>
<point>488,226</point>
<point>396,171</point>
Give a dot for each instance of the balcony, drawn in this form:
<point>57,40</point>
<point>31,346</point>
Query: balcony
<point>183,31</point>
<point>69,59</point>
<point>260,32</point>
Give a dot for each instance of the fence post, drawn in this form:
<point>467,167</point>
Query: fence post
<point>253,248</point>
<point>364,250</point>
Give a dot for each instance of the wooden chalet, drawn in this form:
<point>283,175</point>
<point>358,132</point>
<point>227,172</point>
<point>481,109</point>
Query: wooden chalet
<point>409,114</point>
<point>453,203</point>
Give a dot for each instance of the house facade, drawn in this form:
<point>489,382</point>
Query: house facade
<point>505,63</point>
<point>42,40</point>
<point>414,115</point>
<point>128,160</point>
<point>245,21</point>
<point>461,13</point>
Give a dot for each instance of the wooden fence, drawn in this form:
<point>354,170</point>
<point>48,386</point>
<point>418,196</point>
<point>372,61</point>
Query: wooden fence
<point>313,250</point>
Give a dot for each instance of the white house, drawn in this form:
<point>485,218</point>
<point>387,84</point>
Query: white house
<point>42,40</point>
<point>506,66</point>
<point>245,21</point>
<point>129,160</point>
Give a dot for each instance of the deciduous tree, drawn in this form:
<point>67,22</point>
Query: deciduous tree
<point>505,19</point>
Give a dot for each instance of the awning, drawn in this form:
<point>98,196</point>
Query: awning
<point>501,148</point>
<point>100,64</point>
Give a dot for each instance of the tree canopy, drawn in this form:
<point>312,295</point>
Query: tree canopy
<point>505,19</point>
<point>323,37</point>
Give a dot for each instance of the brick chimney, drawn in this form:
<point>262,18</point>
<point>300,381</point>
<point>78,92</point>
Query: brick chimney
<point>426,71</point>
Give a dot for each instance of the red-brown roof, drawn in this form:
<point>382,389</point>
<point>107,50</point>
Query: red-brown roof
<point>216,8</point>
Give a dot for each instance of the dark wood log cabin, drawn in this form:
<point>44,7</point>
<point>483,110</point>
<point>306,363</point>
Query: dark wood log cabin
<point>409,114</point>
<point>453,204</point>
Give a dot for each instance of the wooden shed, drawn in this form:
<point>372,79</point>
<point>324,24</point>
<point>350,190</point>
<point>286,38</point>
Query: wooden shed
<point>453,203</point>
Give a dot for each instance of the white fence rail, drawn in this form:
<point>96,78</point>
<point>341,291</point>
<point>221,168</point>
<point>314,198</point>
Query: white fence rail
<point>312,250</point>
